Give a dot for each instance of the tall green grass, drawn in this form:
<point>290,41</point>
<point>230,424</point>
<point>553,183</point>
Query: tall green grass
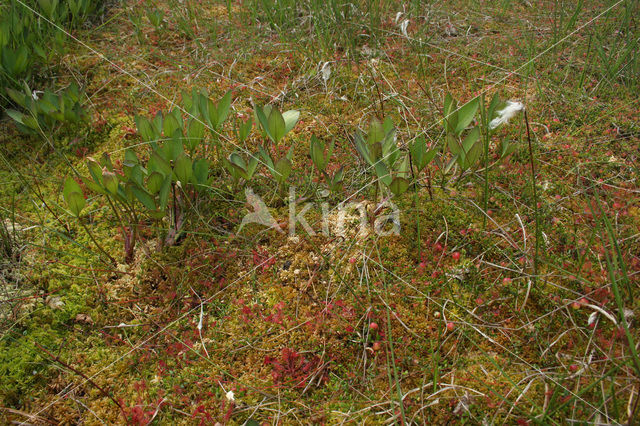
<point>616,53</point>
<point>332,25</point>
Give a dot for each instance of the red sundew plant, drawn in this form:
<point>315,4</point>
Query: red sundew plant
<point>295,370</point>
<point>261,257</point>
<point>204,415</point>
<point>277,317</point>
<point>142,413</point>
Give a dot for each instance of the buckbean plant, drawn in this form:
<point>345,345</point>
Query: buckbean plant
<point>46,110</point>
<point>29,42</point>
<point>383,156</point>
<point>320,153</point>
<point>161,186</point>
<point>467,139</point>
<point>275,125</point>
<point>158,187</point>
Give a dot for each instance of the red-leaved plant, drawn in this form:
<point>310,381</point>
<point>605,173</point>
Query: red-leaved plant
<point>295,370</point>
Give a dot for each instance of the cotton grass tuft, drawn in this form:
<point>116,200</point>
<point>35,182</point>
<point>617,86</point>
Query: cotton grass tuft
<point>506,114</point>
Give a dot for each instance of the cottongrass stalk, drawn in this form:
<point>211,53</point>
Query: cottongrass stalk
<point>485,142</point>
<point>503,117</point>
<point>533,185</point>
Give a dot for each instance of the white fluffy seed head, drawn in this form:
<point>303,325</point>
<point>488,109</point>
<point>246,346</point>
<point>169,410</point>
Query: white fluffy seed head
<point>506,114</point>
<point>326,71</point>
<point>403,28</point>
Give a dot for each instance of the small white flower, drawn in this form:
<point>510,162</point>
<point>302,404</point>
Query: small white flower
<point>506,114</point>
<point>230,396</point>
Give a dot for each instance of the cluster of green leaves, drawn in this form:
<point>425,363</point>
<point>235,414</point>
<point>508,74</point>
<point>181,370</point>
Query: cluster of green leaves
<point>320,153</point>
<point>170,128</point>
<point>238,168</point>
<point>183,15</point>
<point>31,34</point>
<point>464,144</point>
<point>382,155</point>
<point>235,164</point>
<point>206,112</point>
<point>274,126</point>
<point>465,139</point>
<point>71,12</point>
<point>158,187</point>
<point>421,154</point>
<point>45,110</point>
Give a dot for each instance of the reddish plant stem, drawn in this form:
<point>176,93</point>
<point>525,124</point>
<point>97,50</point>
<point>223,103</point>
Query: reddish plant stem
<point>81,374</point>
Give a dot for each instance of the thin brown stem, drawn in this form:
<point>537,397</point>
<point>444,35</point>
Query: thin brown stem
<point>103,251</point>
<point>84,376</point>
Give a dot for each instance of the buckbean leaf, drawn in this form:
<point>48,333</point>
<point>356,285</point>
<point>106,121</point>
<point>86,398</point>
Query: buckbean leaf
<point>201,171</point>
<point>466,113</point>
<point>110,181</point>
<point>282,169</point>
<point>222,111</point>
<point>277,125</point>
<point>183,169</point>
<point>470,140</point>
<point>317,153</point>
<point>399,185</point>
<point>163,197</point>
<point>144,197</point>
<point>94,170</point>
<point>195,133</point>
<point>154,182</point>
<point>383,173</point>
<point>72,194</point>
<point>290,119</point>
<point>171,124</point>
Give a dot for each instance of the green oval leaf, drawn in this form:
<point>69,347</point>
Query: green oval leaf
<point>72,194</point>
<point>277,126</point>
<point>183,169</point>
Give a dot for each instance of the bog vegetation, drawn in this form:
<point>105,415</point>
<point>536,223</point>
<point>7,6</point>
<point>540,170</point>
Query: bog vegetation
<point>136,136</point>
